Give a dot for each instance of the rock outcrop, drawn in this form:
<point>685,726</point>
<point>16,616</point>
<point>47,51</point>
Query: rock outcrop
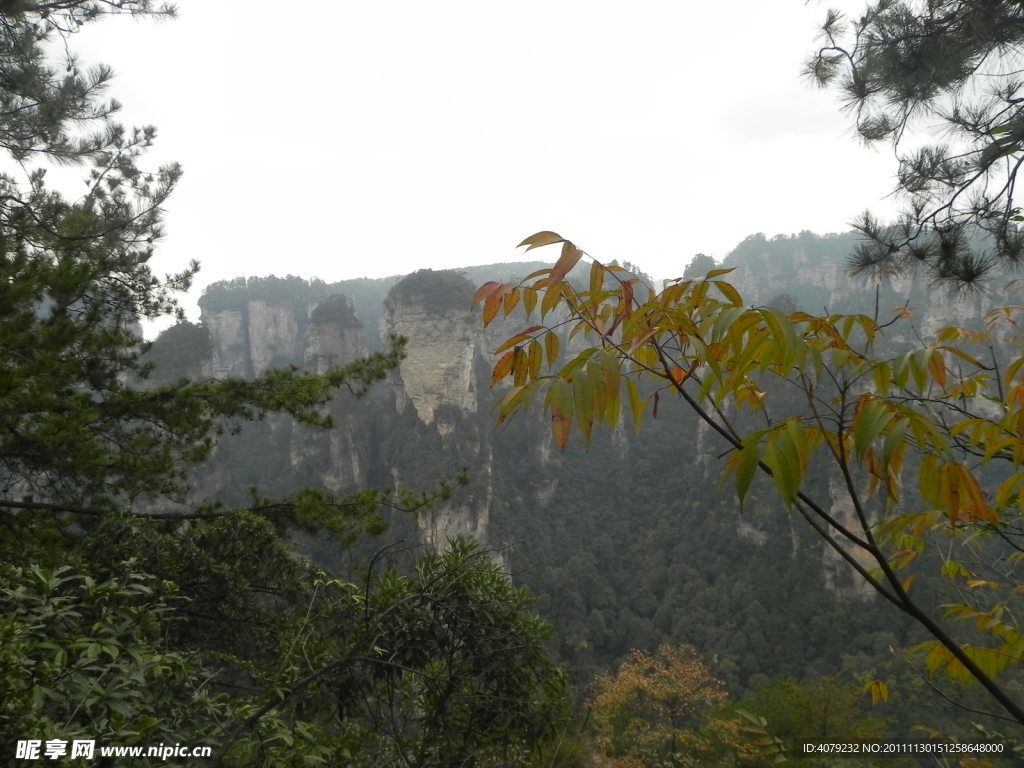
<point>441,379</point>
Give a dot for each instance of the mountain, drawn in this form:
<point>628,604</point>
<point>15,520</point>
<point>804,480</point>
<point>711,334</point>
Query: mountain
<point>628,544</point>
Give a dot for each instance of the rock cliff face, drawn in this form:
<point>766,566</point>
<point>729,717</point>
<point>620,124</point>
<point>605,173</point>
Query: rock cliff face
<point>443,353</point>
<point>273,332</point>
<point>432,407</point>
<point>441,380</point>
<point>229,336</point>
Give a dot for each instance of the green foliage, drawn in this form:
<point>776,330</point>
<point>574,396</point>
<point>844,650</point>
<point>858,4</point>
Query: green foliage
<point>444,665</point>
<point>335,309</point>
<point>699,265</point>
<point>459,668</point>
<point>178,353</point>
<point>85,658</point>
<point>436,291</point>
<point>236,294</point>
<point>820,709</point>
<point>948,67</point>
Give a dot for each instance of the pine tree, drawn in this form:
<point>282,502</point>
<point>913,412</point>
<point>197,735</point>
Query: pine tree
<point>950,70</point>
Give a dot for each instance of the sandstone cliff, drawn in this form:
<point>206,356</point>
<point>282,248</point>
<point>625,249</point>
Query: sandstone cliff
<point>435,416</point>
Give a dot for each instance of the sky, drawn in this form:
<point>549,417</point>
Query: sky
<point>346,139</point>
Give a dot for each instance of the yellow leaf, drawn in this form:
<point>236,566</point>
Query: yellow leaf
<point>883,378</point>
<point>975,583</point>
<point>561,426</point>
<point>729,292</point>
<point>552,295</point>
<point>745,463</point>
<point>521,366</point>
<point>511,300</point>
<point>551,343</point>
<point>596,277</point>
<point>584,397</point>
<point>536,358</point>
<point>879,691</point>
<point>963,356</point>
<point>541,238</point>
<point>529,300</point>
<point>519,337</point>
<point>513,399</point>
<point>504,366</point>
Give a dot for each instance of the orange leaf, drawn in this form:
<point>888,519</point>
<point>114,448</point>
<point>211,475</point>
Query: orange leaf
<point>519,337</point>
<point>937,367</point>
<point>626,307</point>
<point>484,291</point>
<point>569,258</point>
<point>491,306</point>
<point>559,402</point>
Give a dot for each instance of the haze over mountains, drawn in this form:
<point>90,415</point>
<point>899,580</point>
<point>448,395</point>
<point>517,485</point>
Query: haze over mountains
<point>628,544</point>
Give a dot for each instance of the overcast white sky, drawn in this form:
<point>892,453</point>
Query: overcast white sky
<point>344,139</point>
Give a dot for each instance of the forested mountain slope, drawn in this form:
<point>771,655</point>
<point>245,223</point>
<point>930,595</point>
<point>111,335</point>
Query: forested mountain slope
<point>628,544</point>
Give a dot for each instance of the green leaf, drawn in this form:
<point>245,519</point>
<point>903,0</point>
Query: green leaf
<point>747,461</point>
<point>868,425</point>
<point>551,344</point>
<point>585,398</point>
<point>596,278</point>
<point>782,458</point>
<point>636,403</point>
<point>882,375</point>
<point>536,355</point>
